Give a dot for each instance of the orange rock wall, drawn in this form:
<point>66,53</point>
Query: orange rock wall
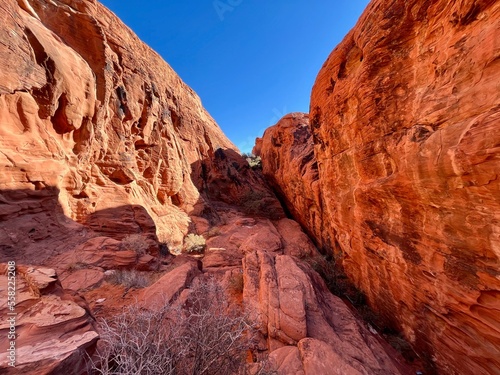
<point>90,111</point>
<point>405,126</point>
<point>405,117</point>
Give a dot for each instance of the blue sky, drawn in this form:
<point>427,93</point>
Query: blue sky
<point>250,61</point>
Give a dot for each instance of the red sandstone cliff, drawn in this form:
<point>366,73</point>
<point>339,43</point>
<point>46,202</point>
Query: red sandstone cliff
<point>405,121</point>
<point>88,109</point>
<point>288,147</point>
<point>100,139</point>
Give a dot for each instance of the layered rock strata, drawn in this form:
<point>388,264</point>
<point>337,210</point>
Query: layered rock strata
<point>54,331</point>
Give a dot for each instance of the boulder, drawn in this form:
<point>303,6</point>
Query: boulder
<point>293,308</point>
<point>54,331</point>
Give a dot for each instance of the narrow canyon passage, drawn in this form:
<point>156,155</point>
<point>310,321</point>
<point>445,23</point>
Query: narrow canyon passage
<point>120,194</point>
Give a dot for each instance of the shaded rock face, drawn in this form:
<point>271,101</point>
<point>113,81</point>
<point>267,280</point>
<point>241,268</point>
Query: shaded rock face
<point>405,124</point>
<point>88,109</point>
<point>228,178</point>
<point>54,330</point>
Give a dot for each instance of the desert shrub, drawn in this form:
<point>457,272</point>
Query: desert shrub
<point>253,202</point>
<point>194,243</point>
<point>135,242</point>
<point>327,268</point>
<point>255,162</point>
<point>204,337</point>
<point>303,253</point>
<point>267,368</point>
<point>130,278</point>
<point>137,342</point>
<point>217,335</point>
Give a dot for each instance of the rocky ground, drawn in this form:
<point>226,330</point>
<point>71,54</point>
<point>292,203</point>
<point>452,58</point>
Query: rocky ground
<point>302,327</point>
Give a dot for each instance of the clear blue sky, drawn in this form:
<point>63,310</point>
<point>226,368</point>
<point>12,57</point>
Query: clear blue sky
<point>250,61</point>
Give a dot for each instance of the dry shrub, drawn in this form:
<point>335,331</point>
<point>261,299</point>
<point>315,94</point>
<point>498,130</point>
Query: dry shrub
<point>135,242</point>
<point>204,337</point>
<point>255,162</point>
<point>194,243</point>
<point>213,232</point>
<point>236,283</point>
<point>254,203</point>
<point>130,278</point>
<point>75,266</point>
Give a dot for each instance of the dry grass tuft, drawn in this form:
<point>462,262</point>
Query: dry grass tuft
<point>130,278</point>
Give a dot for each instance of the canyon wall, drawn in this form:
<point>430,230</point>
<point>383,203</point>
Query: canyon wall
<point>94,118</point>
<point>405,125</point>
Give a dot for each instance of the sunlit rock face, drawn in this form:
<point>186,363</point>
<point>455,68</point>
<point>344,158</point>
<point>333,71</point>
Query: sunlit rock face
<point>90,111</point>
<point>289,165</point>
<point>405,126</point>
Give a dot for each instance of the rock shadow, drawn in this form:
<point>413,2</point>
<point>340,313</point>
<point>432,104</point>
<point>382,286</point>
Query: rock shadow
<point>34,228</point>
<point>227,177</point>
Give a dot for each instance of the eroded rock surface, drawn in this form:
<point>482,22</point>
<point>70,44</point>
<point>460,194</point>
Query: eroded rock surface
<point>93,114</point>
<point>405,125</point>
<point>306,328</point>
<point>100,139</point>
<point>54,329</point>
<point>289,164</point>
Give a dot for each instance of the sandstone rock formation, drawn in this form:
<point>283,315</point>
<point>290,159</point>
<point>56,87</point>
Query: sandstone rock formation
<point>405,124</point>
<point>285,147</point>
<point>297,312</point>
<point>54,329</point>
<point>227,177</point>
<point>100,139</point>
<point>89,110</point>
